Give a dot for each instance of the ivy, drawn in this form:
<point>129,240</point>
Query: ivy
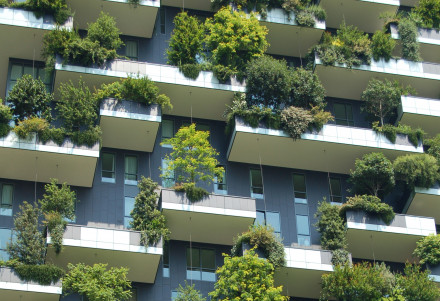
<point>370,205</point>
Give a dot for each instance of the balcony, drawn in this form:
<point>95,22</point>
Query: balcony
<point>129,125</point>
<point>342,82</point>
<point>370,238</point>
<point>301,277</point>
<point>132,21</point>
<point>216,219</point>
<point>429,40</point>
<point>424,202</point>
<point>364,14</point>
<point>420,112</point>
<point>333,149</point>
<point>14,289</point>
<point>31,160</point>
<point>25,32</point>
<point>115,247</point>
<point>204,97</point>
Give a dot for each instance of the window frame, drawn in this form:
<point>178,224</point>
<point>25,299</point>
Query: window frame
<point>252,187</point>
<point>217,190</point>
<point>130,181</point>
<point>38,66</point>
<point>4,251</point>
<point>166,255</point>
<point>200,268</point>
<point>128,218</point>
<point>172,131</point>
<point>278,233</point>
<point>332,195</point>
<point>344,121</point>
<point>106,179</point>
<point>172,179</point>
<point>298,200</point>
<point>301,235</point>
<point>6,211</point>
<point>137,50</point>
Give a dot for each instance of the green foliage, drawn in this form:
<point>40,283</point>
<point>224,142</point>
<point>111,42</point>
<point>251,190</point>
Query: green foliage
<point>371,205</point>
<point>57,205</point>
<point>295,121</point>
<point>234,40</point>
<point>428,250</point>
<point>408,35</point>
<point>105,32</point>
<point>429,12</point>
<point>350,46</point>
<point>305,17</point>
<point>262,237</point>
<point>382,98</point>
<point>44,274</point>
<point>5,117</point>
<point>97,283</point>
<point>147,218</point>
<point>419,170</point>
<point>320,117</point>
<point>246,278</point>
<point>268,82</point>
<point>188,293</point>
<point>390,131</point>
<point>373,174</point>
<point>87,137</point>
<point>32,125</point>
<point>382,45</point>
<point>340,257</point>
<point>417,284</point>
<point>307,90</point>
<point>331,227</point>
<point>433,145</point>
<point>139,89</point>
<point>57,8</point>
<point>193,159</point>
<point>359,282</point>
<point>186,43</point>
<point>29,98</point>
<point>29,246</point>
<point>193,193</point>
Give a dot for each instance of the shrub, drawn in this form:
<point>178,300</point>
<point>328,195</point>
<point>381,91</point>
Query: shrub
<point>331,227</point>
<point>433,145</point>
<point>340,257</point>
<point>373,174</point>
<point>417,170</point>
<point>246,278</point>
<point>96,282</point>
<point>29,246</point>
<point>88,137</point>
<point>105,32</point>
<point>188,293</point>
<point>57,135</point>
<point>234,40</point>
<point>428,250</point>
<point>147,218</point>
<point>429,12</point>
<point>417,285</point>
<point>320,117</point>
<point>408,35</point>
<point>32,125</point>
<point>186,43</point>
<point>382,45</point>
<point>295,121</point>
<point>305,17</point>
<point>57,41</point>
<point>45,274</point>
<point>29,98</point>
<point>268,82</point>
<point>370,205</point>
<point>57,8</point>
<point>5,117</point>
<point>193,193</point>
<point>415,136</point>
<point>307,90</point>
<point>262,237</point>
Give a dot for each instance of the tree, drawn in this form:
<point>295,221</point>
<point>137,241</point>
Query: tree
<point>29,98</point>
<point>417,170</point>
<point>369,204</point>
<point>382,99</point>
<point>5,117</point>
<point>373,174</point>
<point>428,250</point>
<point>188,293</point>
<point>268,82</point>
<point>96,282</point>
<point>331,227</point>
<point>105,32</point>
<point>146,215</point>
<point>57,205</point>
<point>246,278</point>
<point>429,12</point>
<point>307,90</point>
<point>382,45</point>
<point>417,284</point>
<point>193,159</point>
<point>234,39</point>
<point>408,33</point>
<point>29,246</point>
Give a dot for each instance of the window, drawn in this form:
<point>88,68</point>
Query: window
<point>343,114</point>
<point>168,181</point>
<point>220,184</point>
<point>256,184</point>
<point>18,69</point>
<point>5,238</point>
<point>200,264</point>
<point>131,170</point>
<point>128,207</point>
<point>303,229</point>
<point>167,131</point>
<point>131,49</point>
<point>166,260</point>
<point>162,20</point>
<point>271,219</point>
<point>6,199</point>
<point>335,190</point>
<point>299,188</point>
<point>108,168</point>
<point>174,295</point>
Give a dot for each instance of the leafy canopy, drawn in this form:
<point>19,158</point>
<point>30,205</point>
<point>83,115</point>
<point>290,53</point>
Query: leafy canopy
<point>417,170</point>
<point>428,250</point>
<point>371,205</point>
<point>307,90</point>
<point>246,278</point>
<point>382,45</point>
<point>96,282</point>
<point>417,284</point>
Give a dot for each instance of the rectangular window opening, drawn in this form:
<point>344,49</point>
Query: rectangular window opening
<point>6,199</point>
<point>131,170</point>
<point>335,190</point>
<point>200,264</point>
<point>299,188</point>
<point>108,168</point>
<point>343,114</point>
<point>256,184</point>
<point>220,186</point>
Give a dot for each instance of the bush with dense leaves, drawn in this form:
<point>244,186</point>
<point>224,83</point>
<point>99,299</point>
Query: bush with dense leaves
<point>428,250</point>
<point>419,170</point>
<point>369,204</point>
<point>331,226</point>
<point>408,35</point>
<point>415,136</point>
<point>307,90</point>
<point>295,121</point>
<point>429,12</point>
<point>433,146</point>
<point>417,284</point>
<point>44,274</point>
<point>382,45</point>
<point>188,293</point>
<point>32,125</point>
<point>5,118</point>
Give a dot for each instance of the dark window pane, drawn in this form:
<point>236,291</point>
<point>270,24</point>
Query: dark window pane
<point>256,180</point>
<point>339,110</point>
<point>335,186</point>
<point>195,253</point>
<point>208,259</point>
<point>167,129</point>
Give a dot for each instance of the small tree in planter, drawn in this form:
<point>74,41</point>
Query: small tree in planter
<point>417,170</point>
<point>193,159</point>
<point>188,293</point>
<point>370,205</point>
<point>428,250</point>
